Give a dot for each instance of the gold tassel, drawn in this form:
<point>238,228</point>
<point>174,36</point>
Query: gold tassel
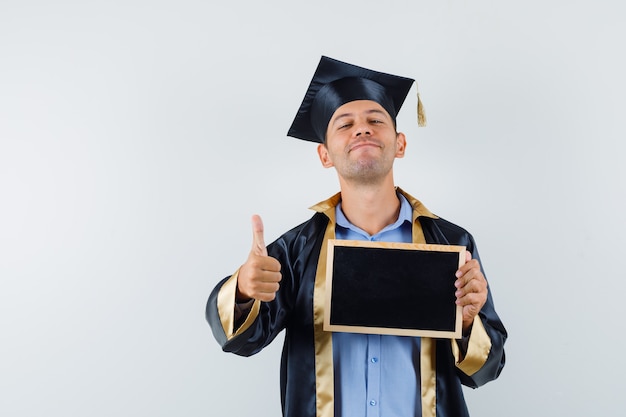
<point>421,114</point>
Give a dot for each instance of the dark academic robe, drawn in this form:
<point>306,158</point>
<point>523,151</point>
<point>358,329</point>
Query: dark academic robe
<point>307,361</point>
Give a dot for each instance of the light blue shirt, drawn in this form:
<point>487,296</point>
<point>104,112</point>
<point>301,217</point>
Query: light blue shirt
<point>376,375</point>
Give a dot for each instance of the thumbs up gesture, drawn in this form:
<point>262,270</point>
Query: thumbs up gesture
<point>260,276</point>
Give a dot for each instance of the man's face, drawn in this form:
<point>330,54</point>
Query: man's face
<point>361,142</point>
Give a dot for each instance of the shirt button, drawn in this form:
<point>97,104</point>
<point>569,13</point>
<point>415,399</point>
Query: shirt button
<point>374,360</point>
<point>373,402</point>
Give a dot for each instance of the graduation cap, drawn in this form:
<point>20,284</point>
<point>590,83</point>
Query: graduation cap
<point>336,83</point>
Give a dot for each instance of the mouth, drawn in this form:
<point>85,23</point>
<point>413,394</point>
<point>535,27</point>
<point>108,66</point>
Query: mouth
<point>364,144</point>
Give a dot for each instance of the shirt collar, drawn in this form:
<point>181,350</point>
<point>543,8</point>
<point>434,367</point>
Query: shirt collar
<point>405,215</point>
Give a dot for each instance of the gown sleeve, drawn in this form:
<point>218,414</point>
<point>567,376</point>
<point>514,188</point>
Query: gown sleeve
<point>484,357</point>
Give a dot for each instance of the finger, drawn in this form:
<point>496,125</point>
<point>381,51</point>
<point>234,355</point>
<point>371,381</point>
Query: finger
<point>468,256</point>
<point>469,287</point>
<point>473,300</point>
<point>469,281</point>
<point>258,242</point>
<point>468,266</point>
<point>476,286</point>
<point>266,287</point>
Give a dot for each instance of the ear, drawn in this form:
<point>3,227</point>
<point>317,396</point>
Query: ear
<point>322,152</point>
<point>400,144</point>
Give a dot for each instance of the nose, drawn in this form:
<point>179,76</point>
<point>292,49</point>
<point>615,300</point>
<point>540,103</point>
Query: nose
<point>362,129</point>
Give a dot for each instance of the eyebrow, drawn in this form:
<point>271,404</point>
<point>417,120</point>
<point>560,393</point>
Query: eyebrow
<point>368,112</point>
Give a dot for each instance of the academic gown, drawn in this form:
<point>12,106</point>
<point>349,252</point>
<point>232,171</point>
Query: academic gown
<point>307,361</point>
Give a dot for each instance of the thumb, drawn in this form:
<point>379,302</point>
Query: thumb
<point>258,242</point>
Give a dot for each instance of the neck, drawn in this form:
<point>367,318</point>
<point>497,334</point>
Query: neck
<point>370,207</point>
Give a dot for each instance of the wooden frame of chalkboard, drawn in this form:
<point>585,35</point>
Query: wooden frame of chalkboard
<point>403,289</point>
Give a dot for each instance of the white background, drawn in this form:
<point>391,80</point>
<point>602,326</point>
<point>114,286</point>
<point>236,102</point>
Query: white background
<point>137,138</point>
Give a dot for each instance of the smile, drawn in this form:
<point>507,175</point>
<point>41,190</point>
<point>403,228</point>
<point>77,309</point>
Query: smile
<point>365,144</point>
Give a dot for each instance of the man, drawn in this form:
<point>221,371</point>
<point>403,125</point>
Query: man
<point>351,112</point>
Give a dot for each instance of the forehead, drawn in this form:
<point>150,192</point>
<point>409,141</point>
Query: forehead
<point>358,106</point>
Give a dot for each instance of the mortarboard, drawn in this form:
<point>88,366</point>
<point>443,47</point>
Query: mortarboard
<point>336,83</point>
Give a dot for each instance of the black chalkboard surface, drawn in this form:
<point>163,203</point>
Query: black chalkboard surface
<point>404,289</point>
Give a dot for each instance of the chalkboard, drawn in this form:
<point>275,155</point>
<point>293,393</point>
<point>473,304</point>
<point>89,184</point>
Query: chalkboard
<point>404,289</point>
